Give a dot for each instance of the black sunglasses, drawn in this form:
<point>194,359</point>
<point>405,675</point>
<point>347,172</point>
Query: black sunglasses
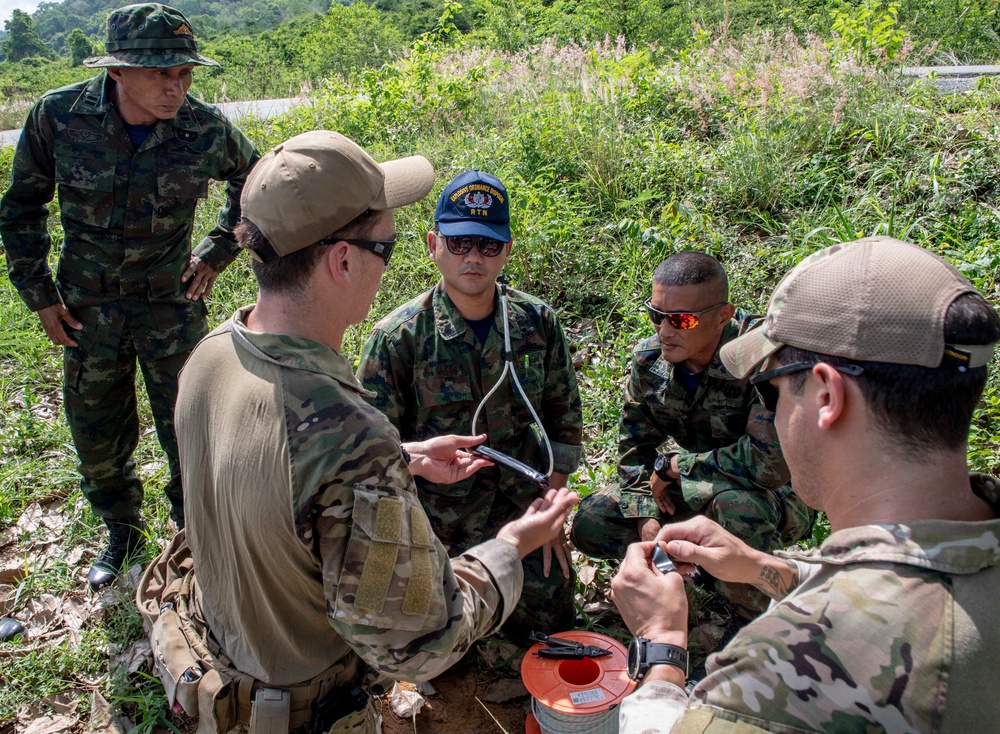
<point>488,247</point>
<point>769,393</point>
<point>681,320</point>
<point>382,248</point>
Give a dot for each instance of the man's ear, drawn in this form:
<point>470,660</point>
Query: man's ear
<point>432,244</point>
<point>115,73</point>
<point>726,313</point>
<point>830,394</point>
<point>338,264</point>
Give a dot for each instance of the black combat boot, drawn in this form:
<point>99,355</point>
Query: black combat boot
<point>125,539</point>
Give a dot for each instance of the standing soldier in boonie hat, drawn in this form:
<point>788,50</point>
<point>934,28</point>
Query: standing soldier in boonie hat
<point>130,153</point>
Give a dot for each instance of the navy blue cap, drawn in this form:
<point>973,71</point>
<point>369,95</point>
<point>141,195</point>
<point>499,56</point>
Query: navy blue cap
<point>474,203</point>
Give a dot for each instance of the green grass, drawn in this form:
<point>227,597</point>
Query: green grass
<point>758,151</point>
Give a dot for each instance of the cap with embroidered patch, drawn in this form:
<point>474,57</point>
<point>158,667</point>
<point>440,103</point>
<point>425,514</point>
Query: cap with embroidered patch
<point>874,300</point>
<point>149,35</point>
<point>316,183</point>
<point>474,203</point>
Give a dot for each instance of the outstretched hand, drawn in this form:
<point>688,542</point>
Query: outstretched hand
<point>558,547</point>
<point>541,522</point>
<point>443,459</point>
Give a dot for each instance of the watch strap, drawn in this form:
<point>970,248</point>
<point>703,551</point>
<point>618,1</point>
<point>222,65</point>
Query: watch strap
<point>660,653</point>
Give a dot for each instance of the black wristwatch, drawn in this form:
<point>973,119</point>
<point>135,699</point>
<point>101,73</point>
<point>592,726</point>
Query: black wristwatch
<point>662,465</point>
<point>643,654</point>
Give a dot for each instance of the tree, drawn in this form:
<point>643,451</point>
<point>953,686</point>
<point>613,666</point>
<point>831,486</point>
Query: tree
<point>79,46</point>
<point>22,40</point>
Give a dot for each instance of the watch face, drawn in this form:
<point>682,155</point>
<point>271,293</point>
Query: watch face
<point>633,661</point>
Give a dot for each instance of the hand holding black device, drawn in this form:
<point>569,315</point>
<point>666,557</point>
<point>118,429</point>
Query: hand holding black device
<point>508,462</point>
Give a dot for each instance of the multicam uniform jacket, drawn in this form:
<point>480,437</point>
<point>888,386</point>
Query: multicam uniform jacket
<point>429,371</point>
<point>127,215</point>
<point>892,628</point>
<point>308,539</point>
<point>724,436</point>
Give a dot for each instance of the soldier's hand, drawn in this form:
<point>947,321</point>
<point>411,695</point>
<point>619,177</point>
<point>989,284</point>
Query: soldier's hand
<point>648,528</point>
<point>443,460</point>
<point>705,543</point>
<point>653,604</point>
<point>203,276</point>
<point>559,547</point>
<point>542,522</point>
<point>52,319</point>
<point>660,496</point>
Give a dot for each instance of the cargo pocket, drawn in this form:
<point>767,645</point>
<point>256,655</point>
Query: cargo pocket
<point>389,574</point>
<point>444,398</point>
<point>181,180</point>
<point>86,178</point>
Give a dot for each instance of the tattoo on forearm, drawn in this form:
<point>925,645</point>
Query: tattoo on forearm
<point>773,583</point>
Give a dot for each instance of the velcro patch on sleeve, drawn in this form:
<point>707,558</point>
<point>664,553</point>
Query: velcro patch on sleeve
<point>417,600</point>
<point>380,564</point>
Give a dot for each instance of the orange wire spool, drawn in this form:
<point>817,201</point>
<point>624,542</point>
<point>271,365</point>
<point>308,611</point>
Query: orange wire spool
<point>577,687</point>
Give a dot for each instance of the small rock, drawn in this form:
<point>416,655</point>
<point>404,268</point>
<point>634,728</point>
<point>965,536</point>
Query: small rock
<point>10,628</point>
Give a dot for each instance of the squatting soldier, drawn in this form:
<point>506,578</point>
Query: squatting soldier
<point>310,550</point>
<point>430,362</point>
<point>130,154</point>
<point>874,355</point>
<point>724,459</point>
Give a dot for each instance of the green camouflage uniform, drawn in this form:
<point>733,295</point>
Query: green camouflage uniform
<point>429,371</point>
<point>127,216</point>
<point>309,542</point>
<point>892,628</point>
<point>730,463</point>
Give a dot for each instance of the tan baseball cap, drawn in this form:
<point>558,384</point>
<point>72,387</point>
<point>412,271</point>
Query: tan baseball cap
<point>314,184</point>
<point>875,300</point>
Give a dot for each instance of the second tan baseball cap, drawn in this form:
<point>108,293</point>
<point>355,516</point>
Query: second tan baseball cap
<point>314,184</point>
<point>876,299</point>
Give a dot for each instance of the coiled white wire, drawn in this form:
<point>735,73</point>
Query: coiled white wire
<point>508,360</point>
<point>556,722</point>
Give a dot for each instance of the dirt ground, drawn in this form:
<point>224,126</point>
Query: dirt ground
<point>458,706</point>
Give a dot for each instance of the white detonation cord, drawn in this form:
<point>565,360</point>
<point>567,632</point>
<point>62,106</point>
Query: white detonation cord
<point>508,357</point>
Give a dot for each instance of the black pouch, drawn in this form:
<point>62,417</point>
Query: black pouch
<point>340,702</point>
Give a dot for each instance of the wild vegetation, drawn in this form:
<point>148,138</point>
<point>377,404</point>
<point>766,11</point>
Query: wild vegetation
<point>757,147</point>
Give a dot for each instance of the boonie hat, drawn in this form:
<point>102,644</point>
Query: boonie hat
<point>474,203</point>
<point>874,300</point>
<point>149,35</point>
<point>316,183</point>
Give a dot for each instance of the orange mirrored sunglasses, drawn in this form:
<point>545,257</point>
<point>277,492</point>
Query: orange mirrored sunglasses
<point>682,320</point>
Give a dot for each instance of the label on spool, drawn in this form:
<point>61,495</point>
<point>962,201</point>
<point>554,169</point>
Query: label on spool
<point>589,696</point>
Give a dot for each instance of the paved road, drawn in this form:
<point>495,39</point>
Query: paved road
<point>264,109</point>
<point>951,79</point>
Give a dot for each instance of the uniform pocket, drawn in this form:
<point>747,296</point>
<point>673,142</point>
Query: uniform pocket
<point>86,178</point>
<point>181,179</point>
